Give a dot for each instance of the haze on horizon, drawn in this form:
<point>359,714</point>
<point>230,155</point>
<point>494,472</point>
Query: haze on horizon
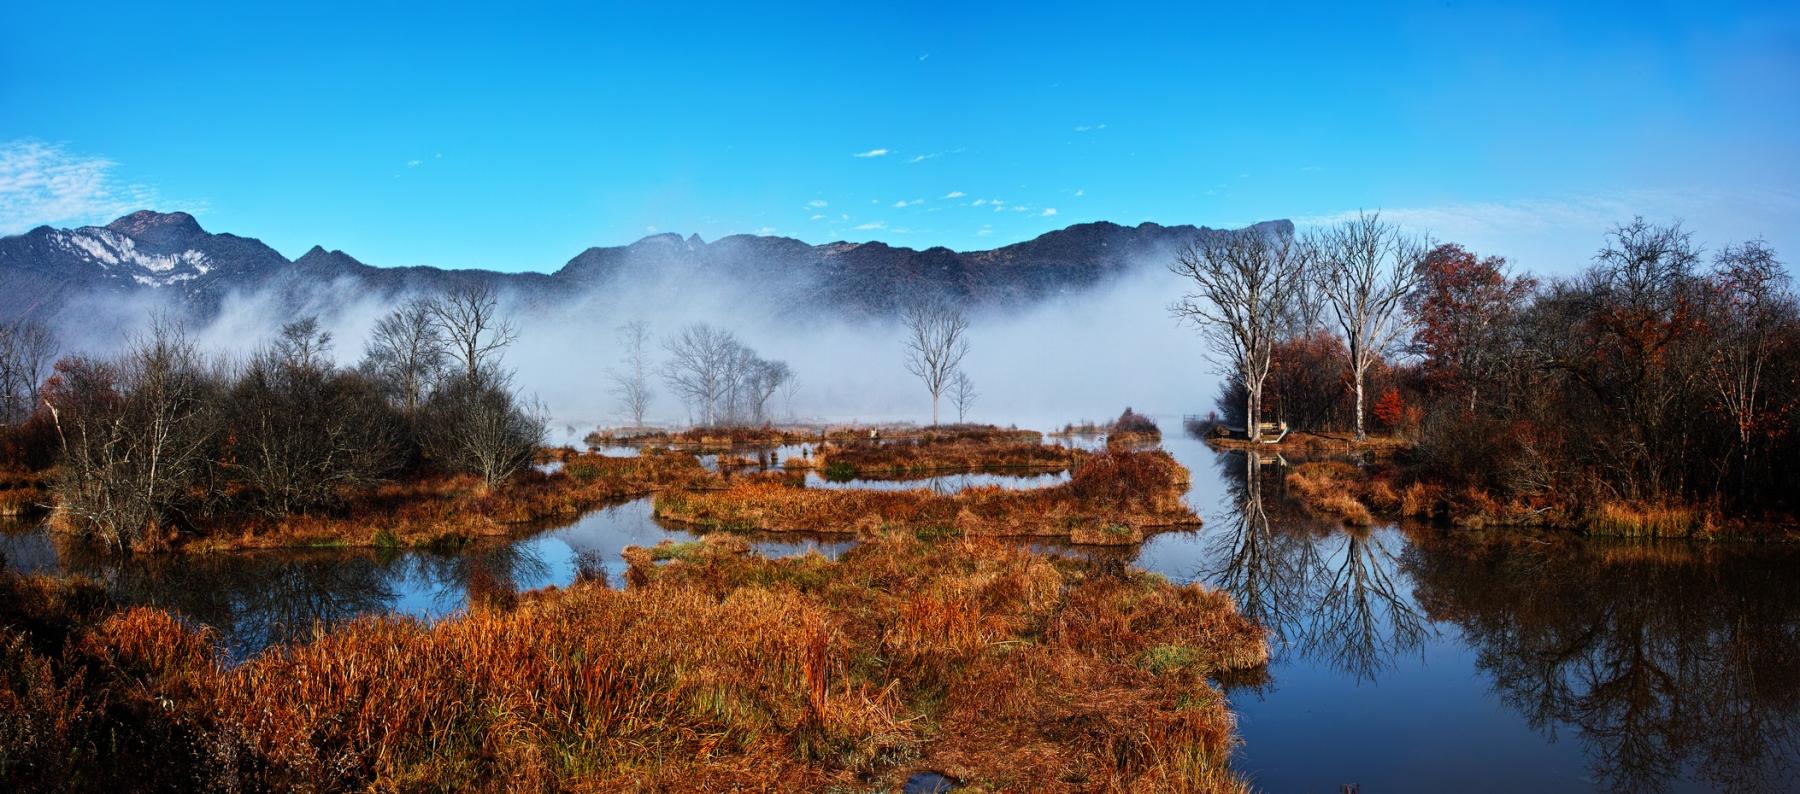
<point>512,141</point>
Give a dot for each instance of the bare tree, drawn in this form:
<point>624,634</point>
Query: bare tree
<point>935,344</point>
<point>1754,303</point>
<point>134,436</point>
<point>1243,286</point>
<point>478,426</point>
<point>700,369</point>
<point>789,389</point>
<point>405,355</point>
<point>963,394</point>
<point>301,429</point>
<point>469,322</point>
<point>1365,270</point>
<point>26,350</point>
<point>764,379</point>
<point>631,382</point>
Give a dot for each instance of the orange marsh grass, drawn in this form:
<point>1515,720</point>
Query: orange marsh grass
<point>438,509</point>
<point>1110,498</point>
<point>715,670</point>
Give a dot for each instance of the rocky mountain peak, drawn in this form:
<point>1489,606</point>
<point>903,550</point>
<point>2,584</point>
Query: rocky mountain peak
<point>159,228</point>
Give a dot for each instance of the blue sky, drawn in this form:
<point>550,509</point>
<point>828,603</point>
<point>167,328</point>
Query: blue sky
<point>463,137</point>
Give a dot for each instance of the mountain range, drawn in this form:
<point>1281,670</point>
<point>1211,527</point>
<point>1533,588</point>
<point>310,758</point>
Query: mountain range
<point>169,255</point>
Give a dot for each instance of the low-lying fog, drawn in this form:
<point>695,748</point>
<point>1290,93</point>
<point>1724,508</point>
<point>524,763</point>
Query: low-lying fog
<point>1084,355</point>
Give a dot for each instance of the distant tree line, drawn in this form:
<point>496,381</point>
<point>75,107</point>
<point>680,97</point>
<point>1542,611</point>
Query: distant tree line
<point>163,435</point>
<point>1660,373</point>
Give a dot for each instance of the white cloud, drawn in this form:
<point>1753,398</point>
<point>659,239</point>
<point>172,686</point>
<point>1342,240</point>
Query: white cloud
<point>984,231</point>
<point>1049,212</point>
<point>866,227</point>
<point>902,204</point>
<point>766,230</point>
<point>979,202</point>
<point>414,163</point>
<point>651,228</point>
<point>1079,192</point>
<point>1089,127</point>
<point>954,194</point>
<point>45,184</point>
<point>816,217</point>
<point>920,158</point>
<point>871,153</point>
<point>817,204</point>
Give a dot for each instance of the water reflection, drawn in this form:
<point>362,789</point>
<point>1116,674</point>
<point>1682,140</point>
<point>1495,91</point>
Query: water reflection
<point>1523,662</point>
<point>943,484</point>
<point>1666,661</point>
<point>1331,595</point>
<point>255,599</point>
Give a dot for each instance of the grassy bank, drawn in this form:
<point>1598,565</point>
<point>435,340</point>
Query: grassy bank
<point>901,459</point>
<point>715,670</point>
<point>1305,443</point>
<point>448,510</point>
<point>1111,498</point>
<point>23,491</point>
<point>1359,495</point>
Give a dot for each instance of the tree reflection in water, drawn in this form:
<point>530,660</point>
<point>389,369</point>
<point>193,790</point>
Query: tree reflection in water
<point>256,599</point>
<point>251,600</point>
<point>1668,660</point>
<point>1327,593</point>
<point>485,573</point>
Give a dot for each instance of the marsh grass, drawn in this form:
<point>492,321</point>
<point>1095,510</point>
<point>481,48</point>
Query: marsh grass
<point>716,669</point>
<point>433,511</point>
<point>23,491</point>
<point>1639,520</point>
<point>1331,488</point>
<point>901,459</point>
<point>1110,498</point>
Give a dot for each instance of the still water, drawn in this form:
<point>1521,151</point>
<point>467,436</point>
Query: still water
<point>1404,658</point>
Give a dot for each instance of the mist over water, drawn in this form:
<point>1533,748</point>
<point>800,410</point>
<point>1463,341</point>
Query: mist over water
<point>1082,355</point>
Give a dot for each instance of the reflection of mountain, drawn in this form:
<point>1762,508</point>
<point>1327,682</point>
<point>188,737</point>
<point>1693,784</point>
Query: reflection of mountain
<point>1664,659</point>
<point>1328,594</point>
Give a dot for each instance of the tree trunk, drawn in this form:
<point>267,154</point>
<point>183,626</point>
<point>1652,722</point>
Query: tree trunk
<point>1360,435</point>
<point>934,409</point>
<point>1253,411</point>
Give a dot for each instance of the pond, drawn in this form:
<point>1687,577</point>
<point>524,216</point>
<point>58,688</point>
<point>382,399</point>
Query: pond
<point>1404,658</point>
<point>1418,659</point>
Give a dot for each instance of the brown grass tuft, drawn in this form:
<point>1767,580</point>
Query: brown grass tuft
<point>715,670</point>
<point>1108,491</point>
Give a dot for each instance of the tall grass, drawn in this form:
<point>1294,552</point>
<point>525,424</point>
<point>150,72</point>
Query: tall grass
<point>955,455</point>
<point>1110,499</point>
<point>430,510</point>
<point>1331,487</point>
<point>1638,520</point>
<point>715,670</point>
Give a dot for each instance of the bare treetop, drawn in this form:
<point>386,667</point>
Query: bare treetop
<point>935,344</point>
<point>1241,291</point>
<point>474,333</point>
<point>1365,269</point>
